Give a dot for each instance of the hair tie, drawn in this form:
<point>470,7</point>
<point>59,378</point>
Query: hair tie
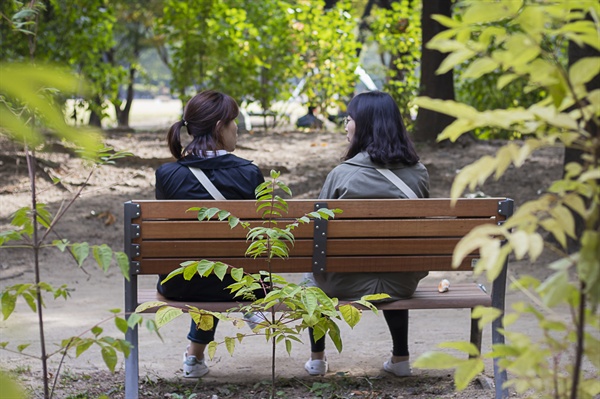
<point>184,122</point>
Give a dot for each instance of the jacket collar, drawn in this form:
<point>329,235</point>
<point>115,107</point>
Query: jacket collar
<point>220,162</point>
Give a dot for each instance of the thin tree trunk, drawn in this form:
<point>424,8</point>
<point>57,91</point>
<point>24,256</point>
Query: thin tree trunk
<point>36,263</point>
<point>123,115</point>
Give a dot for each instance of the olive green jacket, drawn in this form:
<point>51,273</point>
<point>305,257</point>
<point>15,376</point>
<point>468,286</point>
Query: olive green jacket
<point>358,178</point>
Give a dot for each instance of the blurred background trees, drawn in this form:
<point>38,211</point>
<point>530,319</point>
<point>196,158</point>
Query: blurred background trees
<point>262,53</point>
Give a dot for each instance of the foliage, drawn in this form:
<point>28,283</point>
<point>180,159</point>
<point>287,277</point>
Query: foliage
<point>481,94</point>
<point>269,50</point>
<point>397,32</point>
<point>327,47</point>
<point>284,302</point>
<point>204,38</point>
<point>27,115</point>
<point>480,91</point>
<point>78,34</point>
<point>29,124</point>
<point>568,115</point>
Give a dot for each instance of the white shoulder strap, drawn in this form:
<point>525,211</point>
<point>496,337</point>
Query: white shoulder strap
<point>391,176</point>
<point>203,179</point>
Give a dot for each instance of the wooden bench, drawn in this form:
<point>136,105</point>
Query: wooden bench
<point>371,235</point>
<point>264,115</point>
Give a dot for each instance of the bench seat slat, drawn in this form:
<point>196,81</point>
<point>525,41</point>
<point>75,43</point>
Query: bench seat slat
<point>172,209</point>
<point>336,229</point>
<point>461,296</point>
<point>304,247</point>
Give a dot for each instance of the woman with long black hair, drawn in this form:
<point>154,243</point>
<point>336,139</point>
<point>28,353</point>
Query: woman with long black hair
<point>381,162</point>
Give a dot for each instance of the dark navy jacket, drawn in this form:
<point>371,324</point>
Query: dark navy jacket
<point>235,178</point>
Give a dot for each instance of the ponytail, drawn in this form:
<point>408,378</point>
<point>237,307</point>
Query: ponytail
<point>174,139</point>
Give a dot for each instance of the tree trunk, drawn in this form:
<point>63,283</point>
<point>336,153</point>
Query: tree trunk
<point>429,123</point>
<point>576,53</point>
<point>95,118</point>
<point>123,115</point>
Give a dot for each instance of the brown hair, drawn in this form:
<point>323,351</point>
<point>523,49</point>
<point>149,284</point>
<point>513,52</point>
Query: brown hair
<point>200,116</point>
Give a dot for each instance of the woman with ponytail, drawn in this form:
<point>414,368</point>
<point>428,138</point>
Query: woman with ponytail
<point>209,119</point>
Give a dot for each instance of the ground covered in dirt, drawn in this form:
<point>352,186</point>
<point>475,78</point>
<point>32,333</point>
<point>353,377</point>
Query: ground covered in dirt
<point>304,158</point>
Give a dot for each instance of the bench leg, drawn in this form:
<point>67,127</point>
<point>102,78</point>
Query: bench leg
<point>476,333</point>
<point>499,302</point>
<point>132,371</point>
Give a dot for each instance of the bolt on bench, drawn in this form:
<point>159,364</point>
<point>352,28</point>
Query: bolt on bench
<point>371,235</point>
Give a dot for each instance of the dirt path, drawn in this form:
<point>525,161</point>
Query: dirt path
<point>304,160</point>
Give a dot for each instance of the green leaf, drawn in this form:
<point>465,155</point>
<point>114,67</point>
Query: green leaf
<point>103,256</point>
<point>462,346</point>
<point>205,267</point>
<point>505,79</point>
<point>121,324</point>
<point>61,244</point>
<point>446,21</point>
<point>134,319</point>
<point>205,321</point>
<point>212,349</point>
<point>485,315</point>
<point>123,263</point>
<point>80,252</point>
<point>233,221</point>
<point>350,314</point>
<point>480,13</point>
<point>237,273</point>
<point>220,270</point>
<point>466,372</point>
<point>437,361</point>
<point>480,67</point>
<point>222,215</point>
<point>97,330</point>
<point>453,59</point>
<point>447,107</point>
<point>165,314</point>
<point>584,70</point>
<point>22,347</point>
<point>83,346</point>
<point>230,345</point>
<point>110,357</point>
<point>9,302</point>
<point>309,299</point>
<point>149,305</point>
<point>556,289</point>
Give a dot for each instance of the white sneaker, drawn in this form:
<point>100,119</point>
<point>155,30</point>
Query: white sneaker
<point>316,367</point>
<point>192,367</point>
<point>253,320</point>
<point>400,369</point>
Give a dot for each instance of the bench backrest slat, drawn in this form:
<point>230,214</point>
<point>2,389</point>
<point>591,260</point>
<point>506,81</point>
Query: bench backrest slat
<point>370,235</point>
<point>304,247</point>
<point>334,264</point>
<point>338,228</point>
<point>373,208</point>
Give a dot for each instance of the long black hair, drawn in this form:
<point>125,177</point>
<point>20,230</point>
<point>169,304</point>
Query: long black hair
<point>379,130</point>
<point>200,116</point>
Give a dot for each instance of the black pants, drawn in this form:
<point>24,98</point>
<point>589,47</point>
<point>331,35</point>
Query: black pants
<point>200,289</point>
<point>397,321</point>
